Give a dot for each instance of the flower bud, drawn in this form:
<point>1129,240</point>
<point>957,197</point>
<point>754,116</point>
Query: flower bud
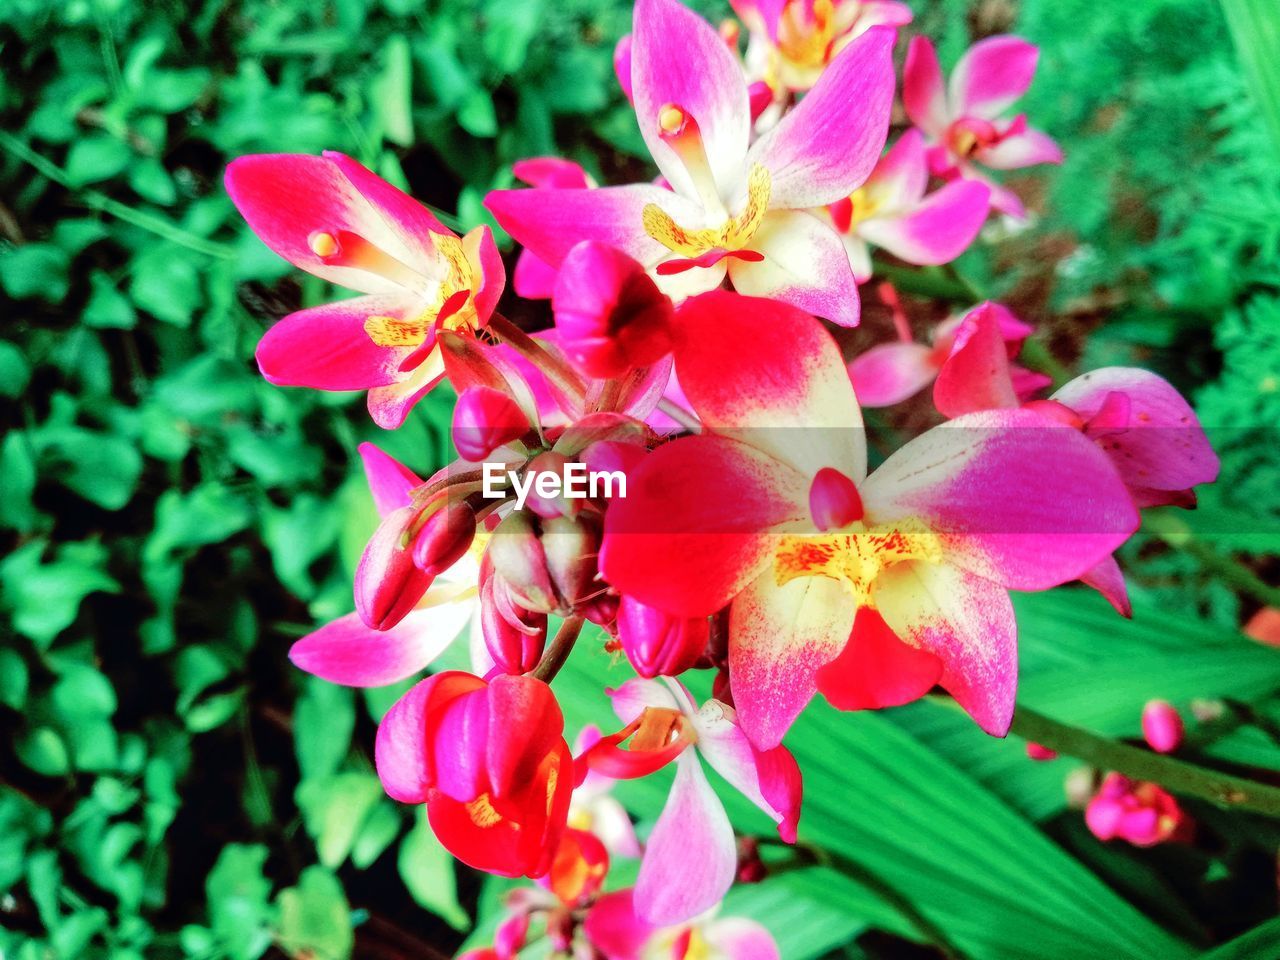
<point>552,502</point>
<point>1162,726</point>
<point>759,97</point>
<point>444,538</point>
<point>610,316</point>
<point>388,584</point>
<point>518,557</point>
<point>513,636</point>
<point>1036,751</point>
<point>571,547</point>
<point>622,64</point>
<point>658,644</point>
<point>1144,814</point>
<point>483,420</point>
<point>834,501</point>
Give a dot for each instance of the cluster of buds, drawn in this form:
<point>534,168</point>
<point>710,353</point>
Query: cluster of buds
<point>681,461</point>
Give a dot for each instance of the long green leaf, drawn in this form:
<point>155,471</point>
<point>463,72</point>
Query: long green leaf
<point>1255,30</point>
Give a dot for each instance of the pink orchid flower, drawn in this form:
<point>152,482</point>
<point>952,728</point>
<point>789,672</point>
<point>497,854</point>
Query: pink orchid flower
<point>691,858</point>
<point>615,928</point>
<point>892,211</point>
<point>534,278</point>
<point>770,510</point>
<point>892,372</point>
<point>964,120</point>
<point>1137,418</point>
<point>335,219</point>
<point>348,652</point>
<point>1144,814</point>
<point>730,211</point>
<point>793,41</point>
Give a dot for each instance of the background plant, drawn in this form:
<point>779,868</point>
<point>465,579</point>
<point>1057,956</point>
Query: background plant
<point>170,522</point>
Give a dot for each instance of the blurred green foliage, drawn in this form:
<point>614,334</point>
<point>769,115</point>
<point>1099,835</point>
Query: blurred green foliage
<point>170,522</point>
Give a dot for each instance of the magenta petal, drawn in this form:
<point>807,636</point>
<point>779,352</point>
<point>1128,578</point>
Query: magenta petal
<point>387,582</point>
<point>965,621</point>
<point>691,857</point>
<point>976,376</point>
<point>737,938</point>
<point>551,172</point>
<point>825,147</point>
<point>938,229</point>
<point>327,348</point>
<point>669,40</point>
<point>553,222</point>
<point>723,744</point>
<point>890,373</point>
<point>534,279</point>
<point>405,216</point>
<point>390,481</point>
<point>613,927</point>
<point>923,93</point>
<point>1165,447</point>
<point>401,750</point>
<point>902,174</point>
<point>1108,580</point>
<point>349,653</point>
<point>1022,502</point>
<point>992,75</point>
<point>1025,149</point>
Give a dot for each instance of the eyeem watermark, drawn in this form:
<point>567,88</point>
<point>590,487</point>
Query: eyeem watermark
<point>576,483</point>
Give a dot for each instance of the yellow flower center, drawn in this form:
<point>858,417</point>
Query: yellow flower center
<point>734,234</point>
<point>807,42</point>
<point>411,331</point>
<point>856,555</point>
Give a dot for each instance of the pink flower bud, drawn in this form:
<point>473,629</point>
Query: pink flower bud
<point>387,583</point>
<point>610,316</point>
<point>759,96</point>
<point>1037,751</point>
<point>510,937</point>
<point>444,537</point>
<point>513,636</point>
<point>622,64</point>
<point>549,501</point>
<point>485,419</point>
<point>1144,814</point>
<point>658,644</point>
<point>517,556</point>
<point>833,500</point>
<point>571,547</point>
<point>1162,726</point>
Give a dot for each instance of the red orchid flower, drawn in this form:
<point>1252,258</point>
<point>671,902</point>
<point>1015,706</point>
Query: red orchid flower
<point>771,510</point>
<point>337,220</point>
<point>490,762</point>
<point>729,210</point>
<point>615,928</point>
<point>964,120</point>
<point>691,859</point>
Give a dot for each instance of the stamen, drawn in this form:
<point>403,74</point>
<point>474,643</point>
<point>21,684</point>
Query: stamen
<point>344,248</point>
<point>323,244</point>
<point>679,129</point>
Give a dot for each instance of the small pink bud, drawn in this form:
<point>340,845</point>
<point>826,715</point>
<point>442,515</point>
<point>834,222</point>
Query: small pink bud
<point>513,636</point>
<point>444,538</point>
<point>1037,751</point>
<point>571,546</point>
<point>759,96</point>
<point>387,583</point>
<point>1162,726</point>
<point>517,555</point>
<point>610,316</point>
<point>510,937</point>
<point>833,500</point>
<point>622,64</point>
<point>485,419</point>
<point>658,644</point>
<point>550,500</point>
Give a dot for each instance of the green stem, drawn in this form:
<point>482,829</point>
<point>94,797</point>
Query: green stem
<point>1037,356</point>
<point>1177,776</point>
<point>100,201</point>
<point>1172,530</point>
<point>558,652</point>
<point>926,282</point>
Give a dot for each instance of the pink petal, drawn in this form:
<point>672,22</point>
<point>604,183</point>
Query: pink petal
<point>780,636</point>
<point>1165,448</point>
<point>722,744</point>
<point>613,927</point>
<point>965,621</point>
<point>1108,580</point>
<point>976,376</point>
<point>327,348</point>
<point>891,372</point>
<point>482,251</point>
<point>876,669</point>
<point>390,405</point>
<point>1014,499</point>
<point>551,172</point>
<point>512,761</point>
<point>991,75</point>
<point>637,695</point>
<point>923,93</point>
<point>401,750</point>
<point>736,938</point>
<point>387,582</point>
<point>669,39</point>
<point>347,652</point>
<point>534,279</point>
<point>767,393</point>
<point>825,147</point>
<point>902,175</point>
<point>286,197</point>
<point>390,481</point>
<point>804,264</point>
<point>691,857</point>
<point>938,229</point>
<point>1025,149</point>
<point>552,222</point>
<point>689,534</point>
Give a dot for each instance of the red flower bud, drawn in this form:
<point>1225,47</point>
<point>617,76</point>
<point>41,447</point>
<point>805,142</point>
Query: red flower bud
<point>485,419</point>
<point>571,547</point>
<point>834,501</point>
<point>658,644</point>
<point>1162,726</point>
<point>387,583</point>
<point>444,537</point>
<point>513,636</point>
<point>610,316</point>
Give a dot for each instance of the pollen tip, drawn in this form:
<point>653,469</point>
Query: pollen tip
<point>671,120</point>
<point>323,244</point>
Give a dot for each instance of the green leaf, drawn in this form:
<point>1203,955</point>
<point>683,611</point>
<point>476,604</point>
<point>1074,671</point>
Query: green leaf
<point>510,28</point>
<point>44,598</point>
<point>18,478</point>
<point>15,372</point>
<point>14,679</point>
<point>107,306</point>
<point>1262,941</point>
<point>392,91</point>
<point>377,833</point>
<point>1255,28</point>
<point>44,752</point>
<point>476,114</point>
<point>322,725</point>
<point>334,809</point>
<point>34,270</point>
<point>240,913</point>
<point>166,284</point>
<point>101,467</point>
<point>315,918</point>
<point>427,871</point>
<point>95,158</point>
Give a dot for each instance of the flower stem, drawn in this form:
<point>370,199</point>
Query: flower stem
<point>1177,776</point>
<point>558,652</point>
<point>680,415</point>
<point>556,370</point>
